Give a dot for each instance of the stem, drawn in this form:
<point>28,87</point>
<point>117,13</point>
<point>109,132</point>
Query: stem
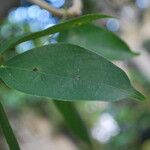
<point>7,130</point>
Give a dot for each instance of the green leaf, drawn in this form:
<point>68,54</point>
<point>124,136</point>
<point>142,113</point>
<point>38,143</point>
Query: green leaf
<point>7,130</point>
<point>99,40</point>
<point>10,43</point>
<point>67,72</point>
<point>73,120</point>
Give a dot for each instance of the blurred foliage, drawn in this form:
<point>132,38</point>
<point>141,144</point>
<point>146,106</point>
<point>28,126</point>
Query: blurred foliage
<point>146,45</point>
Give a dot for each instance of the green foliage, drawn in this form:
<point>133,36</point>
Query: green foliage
<point>73,120</point>
<point>70,72</point>
<point>67,72</point>
<point>10,43</point>
<point>98,40</point>
<point>7,130</point>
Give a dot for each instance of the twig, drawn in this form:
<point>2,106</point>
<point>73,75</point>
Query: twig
<point>74,10</point>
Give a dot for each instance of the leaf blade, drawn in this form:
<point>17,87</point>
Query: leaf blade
<point>99,40</point>
<point>67,72</point>
<point>10,43</point>
<point>73,120</point>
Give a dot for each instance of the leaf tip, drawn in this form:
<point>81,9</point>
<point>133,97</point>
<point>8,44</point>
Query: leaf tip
<point>139,96</point>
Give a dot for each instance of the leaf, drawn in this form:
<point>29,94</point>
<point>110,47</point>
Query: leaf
<point>10,43</point>
<point>73,120</point>
<point>67,72</point>
<point>7,130</point>
<point>99,40</point>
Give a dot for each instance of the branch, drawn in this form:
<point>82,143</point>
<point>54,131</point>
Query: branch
<point>74,10</point>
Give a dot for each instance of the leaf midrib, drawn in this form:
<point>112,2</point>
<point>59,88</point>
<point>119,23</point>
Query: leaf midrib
<point>126,91</point>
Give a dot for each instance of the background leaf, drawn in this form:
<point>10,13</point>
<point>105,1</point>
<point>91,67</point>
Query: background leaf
<point>99,40</point>
<point>73,120</point>
<point>10,43</point>
<point>67,72</point>
<point>7,130</point>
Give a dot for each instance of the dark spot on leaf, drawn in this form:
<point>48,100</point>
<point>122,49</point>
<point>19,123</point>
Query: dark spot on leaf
<point>77,77</point>
<point>35,69</point>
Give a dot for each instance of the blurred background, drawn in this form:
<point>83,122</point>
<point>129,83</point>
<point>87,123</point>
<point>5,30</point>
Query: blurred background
<point>121,125</point>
